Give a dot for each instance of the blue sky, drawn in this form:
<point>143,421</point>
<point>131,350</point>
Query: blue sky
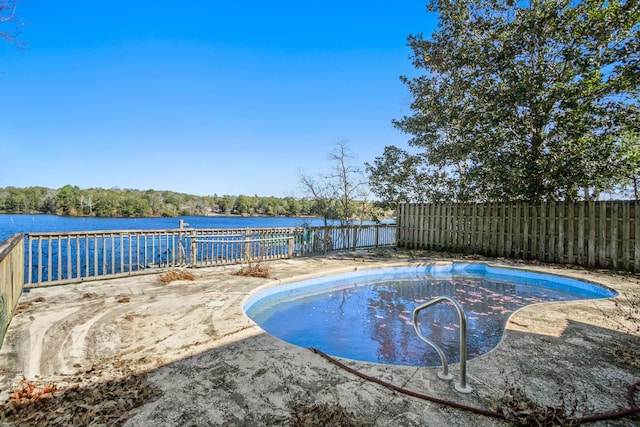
<point>201,97</point>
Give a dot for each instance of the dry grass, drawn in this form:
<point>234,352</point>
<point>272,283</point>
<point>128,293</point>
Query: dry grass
<point>254,270</point>
<point>173,275</point>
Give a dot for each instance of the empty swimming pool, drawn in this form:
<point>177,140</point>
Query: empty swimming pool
<point>366,315</point>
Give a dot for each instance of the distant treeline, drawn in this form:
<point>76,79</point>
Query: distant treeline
<point>73,201</point>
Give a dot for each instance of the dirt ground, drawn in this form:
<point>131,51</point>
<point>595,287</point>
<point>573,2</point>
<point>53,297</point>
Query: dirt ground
<point>139,352</point>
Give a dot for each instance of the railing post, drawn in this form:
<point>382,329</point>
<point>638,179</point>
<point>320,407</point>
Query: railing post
<point>324,246</point>
<point>30,263</point>
<point>291,235</point>
<point>194,248</point>
<point>247,246</point>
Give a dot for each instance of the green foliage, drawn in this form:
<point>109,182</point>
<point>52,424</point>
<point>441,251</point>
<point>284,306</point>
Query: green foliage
<point>68,201</point>
<point>243,205</point>
<point>518,101</point>
<point>398,176</point>
<point>73,201</point>
<point>629,164</point>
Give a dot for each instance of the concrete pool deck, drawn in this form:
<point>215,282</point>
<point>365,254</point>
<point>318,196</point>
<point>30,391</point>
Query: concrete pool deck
<point>214,366</point>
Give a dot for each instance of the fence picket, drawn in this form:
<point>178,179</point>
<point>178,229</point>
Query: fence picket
<point>560,224</point>
<point>551,236</point>
<point>570,244</point>
<point>636,239</point>
<point>626,236</point>
<point>517,232</point>
<point>613,247</point>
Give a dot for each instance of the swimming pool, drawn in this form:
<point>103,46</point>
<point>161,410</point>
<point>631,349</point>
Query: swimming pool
<point>366,315</point>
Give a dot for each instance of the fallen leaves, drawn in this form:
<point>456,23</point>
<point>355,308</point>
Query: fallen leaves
<point>22,307</point>
<point>322,414</point>
<point>29,393</point>
<point>106,403</point>
<point>519,410</point>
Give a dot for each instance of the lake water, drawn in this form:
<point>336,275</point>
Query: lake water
<point>11,224</point>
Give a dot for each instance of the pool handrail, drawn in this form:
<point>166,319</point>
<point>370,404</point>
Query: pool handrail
<point>462,386</point>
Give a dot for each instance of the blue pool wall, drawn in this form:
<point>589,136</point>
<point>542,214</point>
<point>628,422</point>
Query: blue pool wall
<point>321,284</point>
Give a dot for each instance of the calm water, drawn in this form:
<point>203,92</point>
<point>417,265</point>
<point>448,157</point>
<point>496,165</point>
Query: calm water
<point>11,224</point>
<point>371,319</point>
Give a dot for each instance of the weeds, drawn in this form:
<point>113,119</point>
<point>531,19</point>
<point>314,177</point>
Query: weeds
<point>254,269</point>
<point>626,316</point>
<point>629,310</point>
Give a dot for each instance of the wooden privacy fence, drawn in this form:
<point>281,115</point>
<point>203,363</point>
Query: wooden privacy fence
<point>591,234</point>
<point>11,279</point>
<point>56,258</point>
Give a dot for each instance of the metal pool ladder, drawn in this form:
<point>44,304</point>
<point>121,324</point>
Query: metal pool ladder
<point>462,386</point>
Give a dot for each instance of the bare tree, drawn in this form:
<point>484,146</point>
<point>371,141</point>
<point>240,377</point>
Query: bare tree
<point>339,193</point>
<point>9,19</point>
<point>346,182</point>
<point>316,189</point>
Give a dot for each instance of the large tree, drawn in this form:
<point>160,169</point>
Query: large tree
<point>521,100</point>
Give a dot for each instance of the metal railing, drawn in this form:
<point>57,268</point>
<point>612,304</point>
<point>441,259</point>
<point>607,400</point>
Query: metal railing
<point>56,258</point>
<point>462,386</point>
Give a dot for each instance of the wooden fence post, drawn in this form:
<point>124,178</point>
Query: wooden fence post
<point>582,254</point>
<point>355,238</point>
<point>377,235</point>
<point>570,212</point>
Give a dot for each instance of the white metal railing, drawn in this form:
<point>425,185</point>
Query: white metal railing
<point>56,258</point>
